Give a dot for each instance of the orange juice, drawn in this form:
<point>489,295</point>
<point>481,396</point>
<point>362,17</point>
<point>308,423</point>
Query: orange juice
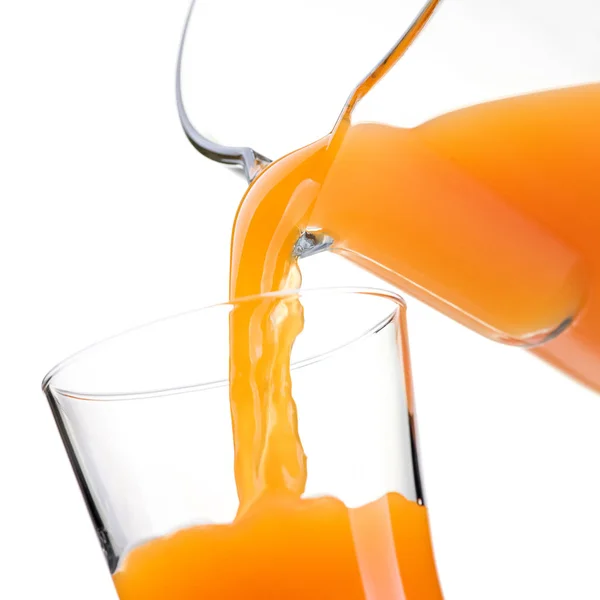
<point>292,549</point>
<point>491,214</point>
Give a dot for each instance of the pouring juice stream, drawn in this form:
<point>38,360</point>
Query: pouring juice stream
<point>282,545</point>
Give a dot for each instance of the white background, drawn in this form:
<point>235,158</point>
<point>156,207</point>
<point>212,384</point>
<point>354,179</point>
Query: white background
<point>110,219</point>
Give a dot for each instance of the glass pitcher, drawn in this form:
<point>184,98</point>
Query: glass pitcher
<point>466,177</point>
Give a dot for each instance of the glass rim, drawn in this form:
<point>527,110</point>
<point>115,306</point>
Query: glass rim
<point>300,292</point>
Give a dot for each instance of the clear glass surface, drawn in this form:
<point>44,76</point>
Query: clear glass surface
<point>145,416</point>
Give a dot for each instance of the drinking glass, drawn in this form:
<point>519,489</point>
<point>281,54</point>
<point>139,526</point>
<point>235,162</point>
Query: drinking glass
<point>146,421</point>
